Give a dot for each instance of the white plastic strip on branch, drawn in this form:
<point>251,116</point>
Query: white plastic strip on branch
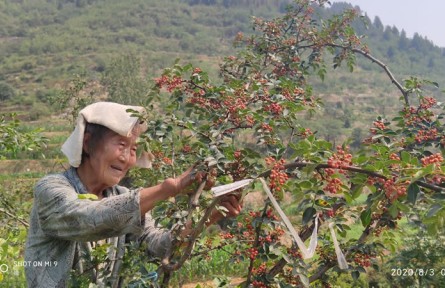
<point>224,189</point>
<point>306,252</point>
<point>342,263</point>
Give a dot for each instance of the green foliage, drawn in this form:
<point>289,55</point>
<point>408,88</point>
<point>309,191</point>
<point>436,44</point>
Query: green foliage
<point>419,263</point>
<point>6,92</point>
<point>265,91</point>
<point>77,95</point>
<point>14,139</point>
<point>13,230</point>
<point>124,81</point>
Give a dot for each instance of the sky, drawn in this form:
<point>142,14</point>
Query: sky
<point>426,17</point>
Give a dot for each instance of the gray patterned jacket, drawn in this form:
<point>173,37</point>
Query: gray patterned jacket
<point>63,227</point>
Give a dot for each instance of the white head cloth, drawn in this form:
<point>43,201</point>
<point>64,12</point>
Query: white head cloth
<point>114,116</point>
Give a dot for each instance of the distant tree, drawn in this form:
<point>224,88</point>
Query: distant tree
<point>357,137</point>
<point>378,24</point>
<point>403,42</point>
<point>418,42</point>
<point>390,52</point>
<point>395,31</point>
<point>387,35</point>
<point>124,80</point>
<point>431,62</point>
<point>6,91</point>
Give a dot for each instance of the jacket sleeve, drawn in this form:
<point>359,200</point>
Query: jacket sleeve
<point>156,240</point>
<point>63,215</point>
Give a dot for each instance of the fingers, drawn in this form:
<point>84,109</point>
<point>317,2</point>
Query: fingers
<point>192,176</point>
<point>232,204</point>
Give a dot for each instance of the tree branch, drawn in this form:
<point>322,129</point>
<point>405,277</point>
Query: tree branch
<point>166,264</point>
<point>15,217</point>
<point>378,62</point>
<point>294,165</point>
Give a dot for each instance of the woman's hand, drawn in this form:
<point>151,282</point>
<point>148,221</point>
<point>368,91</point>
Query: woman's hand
<point>233,205</point>
<point>189,181</point>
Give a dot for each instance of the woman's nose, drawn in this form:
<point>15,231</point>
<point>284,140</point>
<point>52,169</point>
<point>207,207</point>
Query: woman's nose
<point>125,154</point>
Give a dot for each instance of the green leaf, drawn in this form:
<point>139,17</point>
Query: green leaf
<point>366,217</point>
<point>438,196</point>
<point>355,275</point>
<point>306,184</point>
<point>88,196</point>
<point>309,168</point>
<point>348,197</point>
<point>434,209</point>
<point>308,214</point>
<point>405,157</point>
<point>413,192</point>
<point>394,210</point>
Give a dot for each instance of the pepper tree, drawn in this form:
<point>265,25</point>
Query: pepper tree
<point>247,124</point>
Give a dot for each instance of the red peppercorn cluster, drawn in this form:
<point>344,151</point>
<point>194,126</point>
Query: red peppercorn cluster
<point>394,156</point>
<point>305,133</point>
<point>341,159</point>
<point>326,253</point>
<point>277,176</point>
<point>330,213</point>
<point>438,179</point>
<point>378,125</point>
<point>236,168</point>
<point>258,284</point>
<point>260,270</point>
<point>186,149</point>
<point>226,235</point>
<point>274,108</point>
<point>392,189</point>
<point>294,252</point>
<point>333,185</point>
<point>362,259</point>
<point>197,70</point>
<point>170,83</point>
<point>266,128</point>
<point>251,253</point>
<point>427,102</point>
<point>432,159</point>
<point>167,161</point>
<point>418,115</point>
<point>159,158</point>
<point>426,135</point>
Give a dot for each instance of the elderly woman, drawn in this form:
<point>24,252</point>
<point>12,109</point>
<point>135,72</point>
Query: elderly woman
<point>65,227</point>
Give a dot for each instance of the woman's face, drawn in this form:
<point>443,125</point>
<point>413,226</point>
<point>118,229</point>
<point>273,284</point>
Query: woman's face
<point>113,157</point>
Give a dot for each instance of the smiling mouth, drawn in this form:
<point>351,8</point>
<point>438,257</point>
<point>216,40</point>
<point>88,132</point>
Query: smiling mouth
<point>117,168</point>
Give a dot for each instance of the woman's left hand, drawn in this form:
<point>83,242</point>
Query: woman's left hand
<point>233,205</point>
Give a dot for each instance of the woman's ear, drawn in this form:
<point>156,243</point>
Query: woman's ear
<point>86,144</point>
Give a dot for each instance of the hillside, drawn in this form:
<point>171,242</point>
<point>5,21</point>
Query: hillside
<point>44,44</point>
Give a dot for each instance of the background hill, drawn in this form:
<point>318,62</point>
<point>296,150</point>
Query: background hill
<point>44,44</point>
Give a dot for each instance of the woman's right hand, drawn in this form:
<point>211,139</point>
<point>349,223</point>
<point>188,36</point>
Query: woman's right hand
<point>189,181</point>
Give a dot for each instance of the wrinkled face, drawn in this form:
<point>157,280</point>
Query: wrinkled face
<point>113,157</point>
